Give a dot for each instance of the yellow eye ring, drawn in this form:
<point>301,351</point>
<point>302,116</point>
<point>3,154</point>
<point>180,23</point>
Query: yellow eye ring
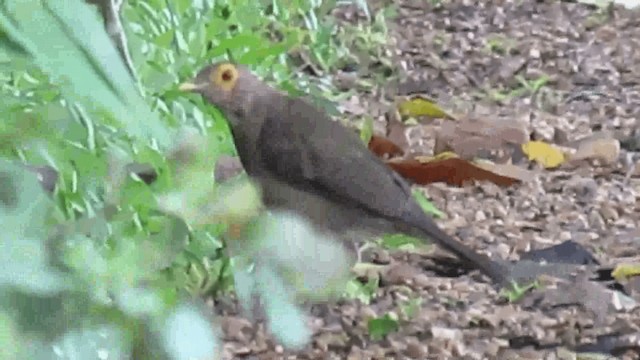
<point>225,76</point>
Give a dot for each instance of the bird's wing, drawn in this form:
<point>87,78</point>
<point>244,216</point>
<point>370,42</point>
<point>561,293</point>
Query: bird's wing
<point>314,153</point>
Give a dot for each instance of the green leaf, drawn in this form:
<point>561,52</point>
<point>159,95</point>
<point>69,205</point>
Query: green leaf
<point>139,302</point>
<point>187,334</point>
<point>89,69</point>
<point>23,203</point>
<point>286,321</point>
<point>10,52</point>
<point>363,292</point>
<point>88,343</point>
<point>9,337</point>
<point>401,241</point>
<point>426,205</point>
<point>366,131</point>
<point>23,213</point>
<point>318,262</point>
<point>382,326</point>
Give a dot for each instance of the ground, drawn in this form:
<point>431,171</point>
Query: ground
<point>565,70</point>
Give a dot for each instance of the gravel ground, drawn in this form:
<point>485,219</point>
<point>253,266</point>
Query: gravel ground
<point>466,54</point>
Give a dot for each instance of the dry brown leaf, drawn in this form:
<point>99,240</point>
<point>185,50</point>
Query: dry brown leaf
<point>605,150</point>
<point>508,170</point>
<point>471,138</point>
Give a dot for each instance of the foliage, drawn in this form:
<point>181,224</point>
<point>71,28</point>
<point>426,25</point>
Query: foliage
<point>105,262</point>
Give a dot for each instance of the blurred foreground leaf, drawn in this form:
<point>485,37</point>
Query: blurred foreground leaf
<point>184,325</point>
<point>289,258</point>
<point>23,215</point>
<point>67,41</point>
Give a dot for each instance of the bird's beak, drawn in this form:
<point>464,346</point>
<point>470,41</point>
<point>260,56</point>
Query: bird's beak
<point>189,86</point>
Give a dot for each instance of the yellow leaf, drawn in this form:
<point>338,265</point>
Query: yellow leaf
<point>441,156</point>
<point>421,106</point>
<point>546,154</point>
<point>624,271</point>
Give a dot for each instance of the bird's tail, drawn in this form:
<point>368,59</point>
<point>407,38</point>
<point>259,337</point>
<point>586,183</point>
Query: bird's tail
<point>495,270</point>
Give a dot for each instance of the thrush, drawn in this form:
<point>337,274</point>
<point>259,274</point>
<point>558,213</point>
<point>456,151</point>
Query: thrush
<point>311,165</point>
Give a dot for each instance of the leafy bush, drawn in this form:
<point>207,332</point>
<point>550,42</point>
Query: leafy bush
<point>102,264</point>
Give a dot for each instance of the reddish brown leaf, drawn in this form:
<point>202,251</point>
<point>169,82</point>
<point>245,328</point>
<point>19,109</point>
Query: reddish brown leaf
<point>384,147</point>
<point>453,171</point>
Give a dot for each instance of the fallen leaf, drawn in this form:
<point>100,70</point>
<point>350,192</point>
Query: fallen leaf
<point>419,105</point>
<point>506,170</point>
<point>384,148</point>
<point>606,150</point>
<point>426,205</point>
<point>545,154</point>
<point>471,138</point>
<point>440,156</point>
<point>453,171</point>
<point>396,130</point>
<point>366,131</point>
<point>624,271</point>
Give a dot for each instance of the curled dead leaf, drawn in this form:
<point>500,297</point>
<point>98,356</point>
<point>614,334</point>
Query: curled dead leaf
<point>453,171</point>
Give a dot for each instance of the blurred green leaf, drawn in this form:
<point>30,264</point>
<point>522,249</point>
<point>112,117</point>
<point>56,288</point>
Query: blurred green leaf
<point>366,131</point>
<point>402,242</point>
<point>9,337</point>
<point>195,197</point>
<point>285,319</point>
<point>287,241</point>
<point>411,308</point>
<point>382,326</point>
<point>426,205</point>
<point>89,69</point>
<point>363,292</point>
<point>188,335</point>
<point>69,102</point>
<point>23,214</point>
<point>88,343</point>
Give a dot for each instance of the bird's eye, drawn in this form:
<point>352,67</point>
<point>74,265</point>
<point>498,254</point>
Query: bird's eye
<point>225,76</point>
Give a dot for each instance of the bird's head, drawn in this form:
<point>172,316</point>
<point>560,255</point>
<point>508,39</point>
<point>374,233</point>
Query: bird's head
<point>228,86</point>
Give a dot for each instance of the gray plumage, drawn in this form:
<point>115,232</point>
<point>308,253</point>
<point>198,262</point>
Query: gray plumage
<point>309,164</point>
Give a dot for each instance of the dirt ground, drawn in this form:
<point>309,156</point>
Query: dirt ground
<point>477,58</point>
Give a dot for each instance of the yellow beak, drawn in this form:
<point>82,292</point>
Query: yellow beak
<point>188,86</point>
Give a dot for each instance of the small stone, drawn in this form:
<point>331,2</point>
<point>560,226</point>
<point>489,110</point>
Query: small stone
<point>236,328</point>
<point>480,216</point>
<point>367,313</point>
<point>596,221</point>
<point>565,235</point>
<point>415,349</point>
<point>503,250</point>
<point>398,274</point>
<point>608,212</point>
<point>443,333</point>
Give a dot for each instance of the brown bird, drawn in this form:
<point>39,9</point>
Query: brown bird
<point>311,165</point>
